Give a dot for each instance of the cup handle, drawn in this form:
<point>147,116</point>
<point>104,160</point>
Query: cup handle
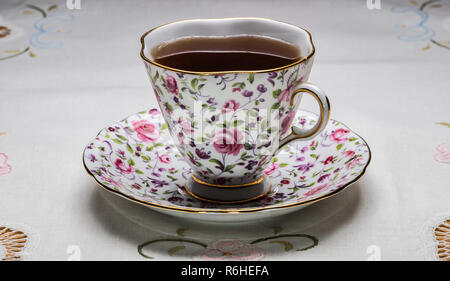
<point>324,105</point>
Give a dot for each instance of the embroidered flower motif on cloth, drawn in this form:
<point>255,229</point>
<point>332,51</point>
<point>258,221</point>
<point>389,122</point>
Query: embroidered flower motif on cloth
<point>5,168</point>
<point>4,31</point>
<point>12,243</point>
<point>442,236</point>
<point>443,153</point>
<point>230,249</point>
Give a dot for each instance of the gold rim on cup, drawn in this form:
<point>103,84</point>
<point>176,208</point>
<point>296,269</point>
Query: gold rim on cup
<point>226,72</point>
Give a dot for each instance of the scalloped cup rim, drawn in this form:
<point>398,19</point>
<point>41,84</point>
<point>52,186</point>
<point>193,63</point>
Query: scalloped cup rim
<point>310,53</point>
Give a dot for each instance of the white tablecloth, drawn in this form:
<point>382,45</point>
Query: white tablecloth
<point>385,71</point>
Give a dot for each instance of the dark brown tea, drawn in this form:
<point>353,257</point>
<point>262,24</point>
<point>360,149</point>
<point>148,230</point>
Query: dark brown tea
<point>215,54</point>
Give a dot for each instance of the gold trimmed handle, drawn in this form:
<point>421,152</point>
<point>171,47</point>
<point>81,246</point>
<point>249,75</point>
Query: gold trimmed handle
<point>324,105</point>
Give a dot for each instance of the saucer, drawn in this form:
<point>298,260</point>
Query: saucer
<point>145,167</point>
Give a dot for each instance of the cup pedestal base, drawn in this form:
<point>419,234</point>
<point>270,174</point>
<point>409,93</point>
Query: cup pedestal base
<point>227,195</point>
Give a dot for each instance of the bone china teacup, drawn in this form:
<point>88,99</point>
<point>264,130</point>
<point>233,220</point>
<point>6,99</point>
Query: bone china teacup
<point>230,125</point>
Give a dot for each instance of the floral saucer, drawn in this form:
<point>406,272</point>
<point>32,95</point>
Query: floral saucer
<point>137,159</point>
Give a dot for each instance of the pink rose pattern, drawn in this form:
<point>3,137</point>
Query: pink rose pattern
<point>228,141</point>
<point>244,93</point>
<point>340,135</point>
<point>230,106</point>
<point>328,160</point>
<point>146,131</point>
<point>165,158</point>
<point>171,84</point>
<point>153,171</point>
<point>349,153</point>
<point>123,167</point>
<point>271,168</point>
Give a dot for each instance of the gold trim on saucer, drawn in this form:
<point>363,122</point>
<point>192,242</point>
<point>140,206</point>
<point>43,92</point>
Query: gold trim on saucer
<point>227,202</point>
<point>231,210</point>
<point>225,72</point>
<point>227,186</point>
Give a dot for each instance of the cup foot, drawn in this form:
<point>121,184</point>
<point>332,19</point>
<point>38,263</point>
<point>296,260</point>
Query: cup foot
<point>227,195</point>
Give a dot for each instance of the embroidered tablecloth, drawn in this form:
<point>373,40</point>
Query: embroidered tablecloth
<point>70,69</point>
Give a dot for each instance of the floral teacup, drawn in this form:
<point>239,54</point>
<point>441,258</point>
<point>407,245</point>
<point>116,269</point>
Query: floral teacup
<point>230,125</point>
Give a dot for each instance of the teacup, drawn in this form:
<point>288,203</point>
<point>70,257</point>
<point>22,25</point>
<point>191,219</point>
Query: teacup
<point>230,125</point>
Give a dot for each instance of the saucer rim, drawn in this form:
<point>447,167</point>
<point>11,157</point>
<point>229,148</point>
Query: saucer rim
<point>229,211</point>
